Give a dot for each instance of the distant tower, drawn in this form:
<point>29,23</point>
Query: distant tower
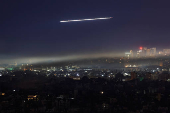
<point>144,51</point>
<point>139,53</point>
<point>131,53</point>
<point>127,55</point>
<point>148,52</point>
<point>153,51</point>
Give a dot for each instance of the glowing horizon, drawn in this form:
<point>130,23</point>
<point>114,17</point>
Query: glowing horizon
<point>89,19</point>
<point>56,58</point>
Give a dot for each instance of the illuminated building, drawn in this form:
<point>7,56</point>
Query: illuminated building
<point>127,55</point>
<point>161,53</point>
<point>131,53</point>
<point>32,97</point>
<point>153,51</point>
<point>144,51</point>
<point>139,53</point>
<point>148,52</point>
<point>166,51</point>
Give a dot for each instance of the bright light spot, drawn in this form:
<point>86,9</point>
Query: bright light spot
<point>85,19</point>
<point>78,74</point>
<point>76,20</point>
<point>14,90</point>
<point>102,75</point>
<point>64,21</point>
<point>101,92</point>
<point>126,73</point>
<point>3,93</point>
<point>140,48</point>
<point>102,18</point>
<point>89,19</point>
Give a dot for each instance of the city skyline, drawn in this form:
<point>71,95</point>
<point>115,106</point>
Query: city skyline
<point>132,53</point>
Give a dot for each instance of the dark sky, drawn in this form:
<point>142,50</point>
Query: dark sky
<point>32,28</point>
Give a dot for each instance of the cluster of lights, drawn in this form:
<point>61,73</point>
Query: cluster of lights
<point>131,66</point>
<point>86,19</point>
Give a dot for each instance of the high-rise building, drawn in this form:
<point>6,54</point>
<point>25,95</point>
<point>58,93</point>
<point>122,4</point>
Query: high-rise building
<point>139,53</point>
<point>161,53</point>
<point>144,50</point>
<point>127,55</point>
<point>148,52</point>
<point>131,53</point>
<point>153,51</point>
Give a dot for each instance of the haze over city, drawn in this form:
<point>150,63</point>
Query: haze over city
<point>31,29</point>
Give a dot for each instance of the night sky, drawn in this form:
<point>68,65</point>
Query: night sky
<point>32,28</point>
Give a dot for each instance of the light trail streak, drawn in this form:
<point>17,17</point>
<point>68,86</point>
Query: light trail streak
<point>86,19</point>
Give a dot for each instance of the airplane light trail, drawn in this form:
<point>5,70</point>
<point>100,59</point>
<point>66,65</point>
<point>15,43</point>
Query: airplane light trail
<point>86,19</point>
